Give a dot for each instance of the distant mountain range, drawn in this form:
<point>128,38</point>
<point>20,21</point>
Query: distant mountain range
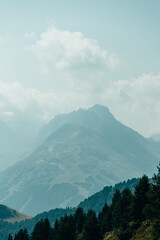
<point>78,154</point>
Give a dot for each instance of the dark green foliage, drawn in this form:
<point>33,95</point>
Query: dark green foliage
<point>79,217</point>
<point>125,233</point>
<point>140,198</point>
<point>97,200</point>
<point>12,228</point>
<point>55,231</point>
<point>10,237</point>
<point>156,230</point>
<point>41,230</point>
<point>91,229</point>
<point>152,209</point>
<point>105,219</point>
<point>125,207</point>
<point>22,235</point>
<point>67,228</point>
<point>125,214</point>
<point>116,210</point>
<point>121,208</point>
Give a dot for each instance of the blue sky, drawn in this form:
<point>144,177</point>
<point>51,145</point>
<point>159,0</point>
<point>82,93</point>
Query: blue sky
<point>57,56</point>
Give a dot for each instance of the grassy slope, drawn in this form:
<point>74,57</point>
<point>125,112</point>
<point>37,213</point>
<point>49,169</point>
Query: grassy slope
<point>10,215</point>
<point>20,217</point>
<point>144,232</point>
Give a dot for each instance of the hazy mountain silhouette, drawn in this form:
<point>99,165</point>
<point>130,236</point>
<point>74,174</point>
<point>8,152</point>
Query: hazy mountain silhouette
<point>80,153</point>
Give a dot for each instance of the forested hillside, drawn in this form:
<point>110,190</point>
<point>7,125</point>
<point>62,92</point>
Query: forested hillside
<point>129,217</point>
<point>95,202</point>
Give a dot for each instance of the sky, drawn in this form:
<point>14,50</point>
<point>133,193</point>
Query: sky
<point>57,56</point>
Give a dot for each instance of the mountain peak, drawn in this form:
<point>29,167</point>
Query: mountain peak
<point>81,152</point>
<point>99,107</point>
<point>102,111</point>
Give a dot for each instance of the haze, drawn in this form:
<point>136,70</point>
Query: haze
<point>59,56</point>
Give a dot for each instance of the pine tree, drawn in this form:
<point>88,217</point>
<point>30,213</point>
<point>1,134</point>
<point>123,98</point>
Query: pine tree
<point>66,229</point>
<point>140,199</point>
<point>10,237</point>
<point>91,229</point>
<point>79,217</point>
<point>125,207</point>
<point>152,209</point>
<point>105,219</point>
<point>55,231</point>
<point>156,192</point>
<point>22,235</point>
<point>116,209</point>
<point>41,230</point>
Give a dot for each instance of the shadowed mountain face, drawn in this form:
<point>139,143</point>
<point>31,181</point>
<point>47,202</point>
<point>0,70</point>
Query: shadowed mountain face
<point>80,153</point>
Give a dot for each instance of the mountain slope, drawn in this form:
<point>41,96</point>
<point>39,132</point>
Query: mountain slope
<point>14,144</point>
<point>10,215</point>
<point>146,231</point>
<point>96,202</point>
<point>156,137</point>
<point>81,153</point>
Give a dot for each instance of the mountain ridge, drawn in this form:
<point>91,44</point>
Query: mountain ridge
<point>94,202</point>
<point>85,151</point>
<point>11,215</point>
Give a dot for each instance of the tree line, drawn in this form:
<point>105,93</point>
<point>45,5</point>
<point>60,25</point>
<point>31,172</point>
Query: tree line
<point>126,212</point>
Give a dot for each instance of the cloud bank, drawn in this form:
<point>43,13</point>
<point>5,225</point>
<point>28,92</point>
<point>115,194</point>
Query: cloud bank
<point>78,74</point>
<point>72,59</point>
<point>135,103</point>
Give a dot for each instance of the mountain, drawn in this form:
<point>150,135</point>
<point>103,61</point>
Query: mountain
<point>98,200</point>
<point>95,202</point>
<point>14,224</point>
<point>14,143</point>
<point>6,143</point>
<point>11,221</point>
<point>156,137</point>
<point>145,231</point>
<point>10,215</point>
<point>80,153</point>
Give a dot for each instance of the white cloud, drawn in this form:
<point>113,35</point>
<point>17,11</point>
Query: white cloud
<point>30,35</point>
<point>76,71</point>
<point>72,58</point>
<point>16,101</point>
<point>136,103</point>
<point>19,100</point>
